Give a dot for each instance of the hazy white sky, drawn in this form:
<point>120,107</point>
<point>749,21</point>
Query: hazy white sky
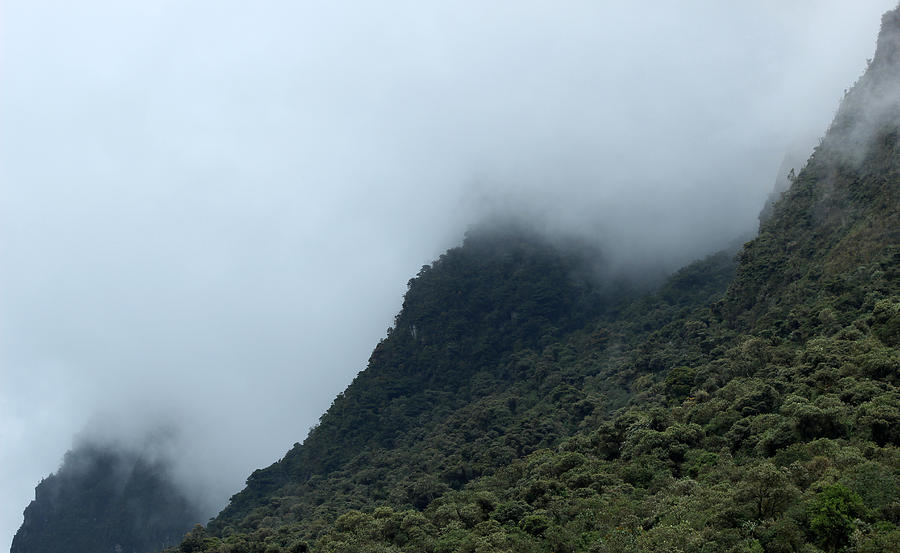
<point>209,209</point>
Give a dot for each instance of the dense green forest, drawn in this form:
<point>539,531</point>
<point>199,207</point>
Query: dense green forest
<point>527,400</point>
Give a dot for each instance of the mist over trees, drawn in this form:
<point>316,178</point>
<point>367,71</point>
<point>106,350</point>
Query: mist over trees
<point>554,386</point>
<point>107,497</point>
<point>192,189</point>
<point>745,408</point>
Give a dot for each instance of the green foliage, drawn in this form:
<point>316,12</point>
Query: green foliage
<point>886,322</point>
<point>680,381</point>
<point>767,489</point>
<point>832,516</point>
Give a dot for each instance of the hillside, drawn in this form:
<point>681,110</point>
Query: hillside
<point>513,408</point>
<point>470,326</point>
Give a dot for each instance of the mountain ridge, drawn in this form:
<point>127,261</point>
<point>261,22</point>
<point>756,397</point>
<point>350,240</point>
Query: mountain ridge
<point>742,405</point>
<point>805,286</point>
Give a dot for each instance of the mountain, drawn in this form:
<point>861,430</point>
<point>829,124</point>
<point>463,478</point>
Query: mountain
<point>529,399</point>
<point>467,324</point>
<point>514,407</point>
<point>105,499</point>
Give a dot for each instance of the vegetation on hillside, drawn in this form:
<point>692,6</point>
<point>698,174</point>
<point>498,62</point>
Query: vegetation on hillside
<point>671,426</point>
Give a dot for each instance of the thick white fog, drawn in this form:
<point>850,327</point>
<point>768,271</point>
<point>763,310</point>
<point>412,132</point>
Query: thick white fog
<point>209,209</point>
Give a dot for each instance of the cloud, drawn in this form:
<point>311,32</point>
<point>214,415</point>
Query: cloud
<point>209,210</point>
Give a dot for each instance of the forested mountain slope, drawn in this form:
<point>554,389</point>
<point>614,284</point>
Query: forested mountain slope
<point>526,400</point>
<point>470,325</point>
<point>517,407</point>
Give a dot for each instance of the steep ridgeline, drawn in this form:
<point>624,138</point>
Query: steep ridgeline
<point>466,322</point>
<point>841,217</point>
<point>105,499</point>
<point>504,346</point>
<point>516,408</point>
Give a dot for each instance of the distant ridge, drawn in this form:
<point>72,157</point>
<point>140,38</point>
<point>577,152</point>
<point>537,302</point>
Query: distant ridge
<point>104,498</point>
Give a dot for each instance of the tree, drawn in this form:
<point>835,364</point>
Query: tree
<point>832,516</point>
<point>767,489</point>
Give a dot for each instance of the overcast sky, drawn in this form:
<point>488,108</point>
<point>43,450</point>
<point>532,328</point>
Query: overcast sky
<point>209,209</point>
